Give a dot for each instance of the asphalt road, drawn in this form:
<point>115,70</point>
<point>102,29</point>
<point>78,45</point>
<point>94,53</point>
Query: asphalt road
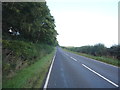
<point>69,70</point>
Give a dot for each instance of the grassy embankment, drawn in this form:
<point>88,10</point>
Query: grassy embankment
<point>108,60</point>
<point>25,64</point>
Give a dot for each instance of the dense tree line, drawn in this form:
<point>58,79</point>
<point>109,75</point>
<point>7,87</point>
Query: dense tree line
<point>31,19</point>
<point>98,50</point>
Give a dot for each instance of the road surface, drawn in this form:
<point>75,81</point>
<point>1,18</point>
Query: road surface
<point>70,70</point>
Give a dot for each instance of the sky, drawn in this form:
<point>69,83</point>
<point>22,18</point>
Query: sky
<point>85,22</point>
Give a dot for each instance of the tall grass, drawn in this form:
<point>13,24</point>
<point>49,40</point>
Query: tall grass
<point>32,76</point>
<point>24,63</point>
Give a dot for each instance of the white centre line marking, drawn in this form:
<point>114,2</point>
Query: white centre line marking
<point>48,76</point>
<point>100,76</point>
<point>73,58</point>
<point>67,54</point>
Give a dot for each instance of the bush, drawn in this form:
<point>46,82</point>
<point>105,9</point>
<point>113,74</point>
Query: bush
<point>19,54</point>
<point>98,50</point>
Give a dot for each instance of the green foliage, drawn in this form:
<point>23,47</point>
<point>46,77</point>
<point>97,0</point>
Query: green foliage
<point>19,54</point>
<point>25,48</point>
<point>98,50</point>
<point>114,51</point>
<point>33,21</point>
<point>37,39</point>
<point>99,58</point>
<point>32,76</point>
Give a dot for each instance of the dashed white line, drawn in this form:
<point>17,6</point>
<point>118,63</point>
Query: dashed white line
<point>67,54</point>
<point>100,76</point>
<point>96,73</point>
<point>48,76</point>
<point>73,59</point>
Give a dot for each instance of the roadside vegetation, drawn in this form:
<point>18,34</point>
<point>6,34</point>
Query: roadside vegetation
<point>28,45</point>
<point>98,52</point>
<point>32,76</point>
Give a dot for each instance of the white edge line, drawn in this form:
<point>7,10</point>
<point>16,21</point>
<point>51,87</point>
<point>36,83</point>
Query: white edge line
<point>97,61</point>
<point>48,76</point>
<point>101,76</point>
<point>106,63</point>
<point>101,62</point>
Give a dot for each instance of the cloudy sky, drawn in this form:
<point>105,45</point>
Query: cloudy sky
<point>85,22</point>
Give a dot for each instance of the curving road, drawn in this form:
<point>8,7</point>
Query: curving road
<point>70,70</point>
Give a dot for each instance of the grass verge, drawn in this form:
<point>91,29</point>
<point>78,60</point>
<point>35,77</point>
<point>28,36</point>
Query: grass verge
<point>112,61</point>
<point>31,76</point>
